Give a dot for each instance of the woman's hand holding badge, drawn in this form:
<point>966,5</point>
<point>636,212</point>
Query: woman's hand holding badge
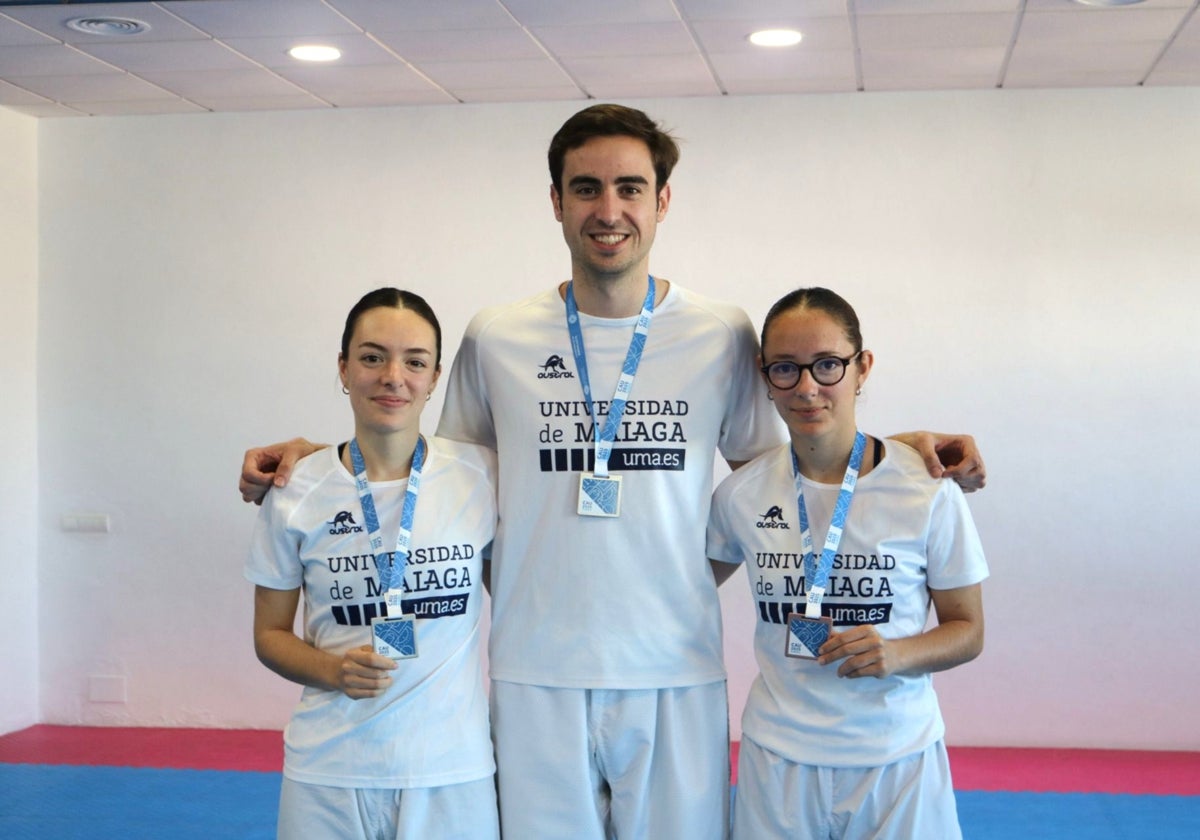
<point>866,653</point>
<point>364,673</point>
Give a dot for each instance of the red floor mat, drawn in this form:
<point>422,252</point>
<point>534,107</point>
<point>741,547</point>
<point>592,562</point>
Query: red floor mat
<point>196,749</point>
<point>974,768</point>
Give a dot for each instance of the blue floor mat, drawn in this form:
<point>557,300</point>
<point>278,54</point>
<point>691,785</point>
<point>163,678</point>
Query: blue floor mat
<point>60,802</point>
<point>1077,816</point>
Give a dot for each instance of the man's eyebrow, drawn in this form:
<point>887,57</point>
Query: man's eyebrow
<point>591,180</point>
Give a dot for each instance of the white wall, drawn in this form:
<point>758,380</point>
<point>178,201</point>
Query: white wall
<point>18,421</point>
<point>1023,263</point>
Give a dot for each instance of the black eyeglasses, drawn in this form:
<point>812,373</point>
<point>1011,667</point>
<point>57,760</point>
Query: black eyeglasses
<point>827,371</point>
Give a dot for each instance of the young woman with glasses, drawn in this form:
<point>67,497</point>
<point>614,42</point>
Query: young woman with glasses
<point>847,541</point>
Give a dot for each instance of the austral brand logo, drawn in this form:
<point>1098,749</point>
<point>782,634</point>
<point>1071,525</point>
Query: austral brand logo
<point>773,518</point>
<point>555,368</point>
<point>344,523</point>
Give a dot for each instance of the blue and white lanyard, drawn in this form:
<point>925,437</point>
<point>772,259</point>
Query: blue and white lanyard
<point>604,440</point>
<point>391,575</point>
<point>817,576</point>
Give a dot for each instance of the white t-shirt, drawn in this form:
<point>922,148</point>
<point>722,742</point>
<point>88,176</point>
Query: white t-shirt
<point>906,533</point>
<point>431,727</point>
<point>583,602</point>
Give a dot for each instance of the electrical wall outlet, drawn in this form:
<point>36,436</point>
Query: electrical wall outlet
<point>86,522</point>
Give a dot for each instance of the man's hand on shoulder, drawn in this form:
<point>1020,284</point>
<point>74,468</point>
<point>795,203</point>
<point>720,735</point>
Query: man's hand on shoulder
<point>949,456</point>
<point>271,466</point>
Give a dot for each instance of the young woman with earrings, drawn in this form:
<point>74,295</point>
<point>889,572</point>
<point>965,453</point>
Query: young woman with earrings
<point>385,538</point>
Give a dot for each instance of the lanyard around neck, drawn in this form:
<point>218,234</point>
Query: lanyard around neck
<point>817,574</point>
<point>605,438</point>
<point>391,575</point>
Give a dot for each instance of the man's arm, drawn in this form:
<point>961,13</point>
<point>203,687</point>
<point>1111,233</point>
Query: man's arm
<point>722,571</point>
<point>945,456</point>
<point>949,456</point>
<point>271,466</point>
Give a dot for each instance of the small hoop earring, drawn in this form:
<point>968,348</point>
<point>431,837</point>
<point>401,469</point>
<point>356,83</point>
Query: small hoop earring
<point>345,390</point>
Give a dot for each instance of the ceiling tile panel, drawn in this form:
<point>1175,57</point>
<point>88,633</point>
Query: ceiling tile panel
<point>765,10</point>
<point>1179,60</point>
<point>540,94</point>
<point>530,50</point>
<point>933,7</point>
<point>830,33</point>
<point>1188,36</point>
<point>340,84</point>
<point>540,13</point>
<point>1082,8</point>
<point>12,95</point>
<point>644,71</point>
<point>296,102</point>
<point>462,44</point>
<point>52,20</point>
<point>14,34</point>
<point>357,49</point>
<point>56,60</point>
<point>800,84</point>
<point>743,69</point>
<point>98,88</point>
<point>1181,78</point>
<point>356,96</point>
<point>935,31</point>
<point>617,40</point>
<point>975,61</point>
<point>261,18</point>
<point>225,84</point>
<point>1070,28</point>
<point>522,73</point>
<point>981,81</point>
<point>50,109</point>
<point>425,15</point>
<point>1028,62</point>
<point>134,107</point>
<point>1069,79</point>
<point>169,56</point>
<point>617,92</point>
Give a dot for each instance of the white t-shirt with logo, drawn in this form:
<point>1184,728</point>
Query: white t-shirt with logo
<point>588,602</point>
<point>906,533</point>
<point>431,727</point>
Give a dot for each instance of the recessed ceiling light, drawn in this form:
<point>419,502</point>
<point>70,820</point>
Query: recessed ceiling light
<point>1109,2</point>
<point>315,52</point>
<point>775,37</point>
<point>108,26</point>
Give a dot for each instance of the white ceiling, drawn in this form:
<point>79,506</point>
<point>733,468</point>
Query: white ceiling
<point>229,55</point>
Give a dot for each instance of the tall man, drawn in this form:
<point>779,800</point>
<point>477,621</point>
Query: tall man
<point>608,684</point>
<point>607,398</point>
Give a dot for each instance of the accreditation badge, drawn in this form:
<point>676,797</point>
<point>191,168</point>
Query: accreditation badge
<point>599,496</point>
<point>806,635</point>
<point>395,636</point>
